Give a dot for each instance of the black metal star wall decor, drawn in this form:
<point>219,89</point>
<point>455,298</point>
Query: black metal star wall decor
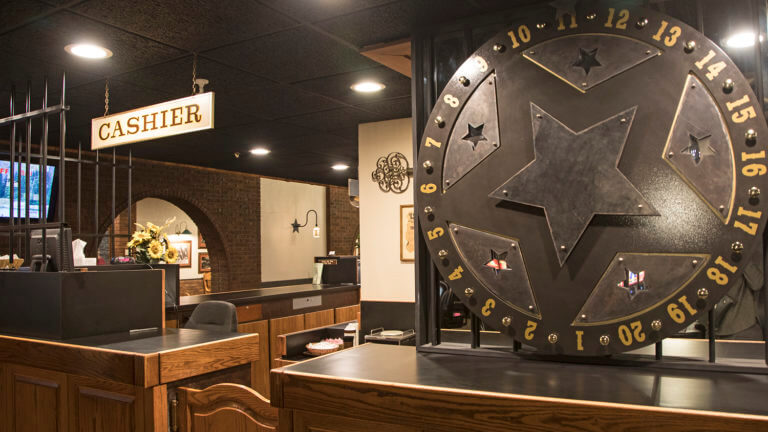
<point>474,135</point>
<point>575,176</point>
<point>587,60</point>
<point>498,262</point>
<point>698,147</point>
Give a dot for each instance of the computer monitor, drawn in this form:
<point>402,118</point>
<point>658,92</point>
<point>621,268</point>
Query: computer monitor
<point>58,249</point>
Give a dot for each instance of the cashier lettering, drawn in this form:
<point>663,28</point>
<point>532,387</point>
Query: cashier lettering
<point>177,116</point>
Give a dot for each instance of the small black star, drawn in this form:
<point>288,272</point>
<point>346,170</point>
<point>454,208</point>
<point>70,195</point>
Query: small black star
<point>698,147</point>
<point>587,60</point>
<point>497,262</point>
<point>474,135</point>
<point>295,225</point>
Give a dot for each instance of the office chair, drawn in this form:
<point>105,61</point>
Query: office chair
<point>214,315</point>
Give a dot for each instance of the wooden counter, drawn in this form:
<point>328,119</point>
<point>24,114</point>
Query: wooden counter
<point>117,382</point>
<point>394,388</point>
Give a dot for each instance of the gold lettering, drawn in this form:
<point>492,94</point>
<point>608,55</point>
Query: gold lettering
<point>154,119</point>
<point>164,112</point>
<point>101,128</point>
<point>176,116</point>
<point>118,128</point>
<point>133,125</point>
<point>193,114</point>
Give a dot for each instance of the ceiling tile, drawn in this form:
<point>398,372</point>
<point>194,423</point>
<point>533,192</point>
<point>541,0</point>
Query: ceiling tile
<point>275,102</point>
<point>333,119</point>
<point>390,108</point>
<point>15,12</point>
<point>50,36</point>
<point>192,26</point>
<point>338,86</point>
<point>293,55</point>
<point>313,11</point>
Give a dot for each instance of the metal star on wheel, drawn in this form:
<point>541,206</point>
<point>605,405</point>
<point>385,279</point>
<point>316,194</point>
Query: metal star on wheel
<point>474,135</point>
<point>633,283</point>
<point>498,262</point>
<point>575,176</point>
<point>587,60</point>
<point>698,146</point>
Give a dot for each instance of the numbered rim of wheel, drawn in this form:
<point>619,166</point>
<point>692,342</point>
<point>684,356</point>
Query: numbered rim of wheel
<point>501,239</point>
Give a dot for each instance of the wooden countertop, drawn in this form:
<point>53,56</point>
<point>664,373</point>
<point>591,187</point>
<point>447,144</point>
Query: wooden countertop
<point>391,383</point>
<point>265,294</point>
<point>143,359</point>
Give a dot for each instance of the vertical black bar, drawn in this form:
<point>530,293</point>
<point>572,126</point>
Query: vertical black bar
<point>79,185</point>
<point>12,173</point>
<point>474,328</point>
<point>18,192</point>
<point>42,174</point>
<point>63,152</point>
<point>516,345</point>
<point>27,168</point>
<point>96,204</point>
<point>130,179</point>
<point>659,351</point>
<point>114,192</point>
<point>711,334</point>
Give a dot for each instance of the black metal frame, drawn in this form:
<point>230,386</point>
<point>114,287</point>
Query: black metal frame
<point>424,90</point>
<point>23,154</point>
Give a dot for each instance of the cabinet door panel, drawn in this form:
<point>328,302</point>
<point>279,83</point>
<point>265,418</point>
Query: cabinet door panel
<point>97,405</point>
<point>280,326</point>
<point>347,313</point>
<point>318,319</point>
<point>35,400</point>
<point>225,407</point>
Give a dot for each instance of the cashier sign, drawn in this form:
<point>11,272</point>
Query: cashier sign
<point>189,114</point>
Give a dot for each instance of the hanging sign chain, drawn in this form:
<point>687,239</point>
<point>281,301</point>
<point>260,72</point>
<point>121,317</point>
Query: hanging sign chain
<point>194,71</point>
<point>106,97</point>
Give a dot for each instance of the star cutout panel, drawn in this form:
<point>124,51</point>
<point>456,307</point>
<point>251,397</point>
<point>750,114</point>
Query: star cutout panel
<point>663,275</point>
<point>497,262</point>
<point>584,61</point>
<point>475,135</point>
<point>575,176</point>
<point>699,148</point>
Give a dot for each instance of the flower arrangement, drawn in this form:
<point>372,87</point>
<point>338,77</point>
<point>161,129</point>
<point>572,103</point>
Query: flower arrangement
<point>150,244</point>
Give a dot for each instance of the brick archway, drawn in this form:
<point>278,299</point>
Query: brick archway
<point>217,250</point>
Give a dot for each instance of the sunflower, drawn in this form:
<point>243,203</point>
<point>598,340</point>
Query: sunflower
<point>171,255</point>
<point>155,249</point>
<point>152,228</point>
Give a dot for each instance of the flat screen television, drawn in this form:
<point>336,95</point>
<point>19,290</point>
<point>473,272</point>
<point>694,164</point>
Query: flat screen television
<point>20,184</point>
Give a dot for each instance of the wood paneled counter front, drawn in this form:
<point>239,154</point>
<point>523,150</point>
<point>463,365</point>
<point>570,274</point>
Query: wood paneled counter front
<point>116,382</point>
<point>393,388</point>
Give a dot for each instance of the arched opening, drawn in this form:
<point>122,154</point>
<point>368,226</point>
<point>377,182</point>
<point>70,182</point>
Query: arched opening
<point>203,256</point>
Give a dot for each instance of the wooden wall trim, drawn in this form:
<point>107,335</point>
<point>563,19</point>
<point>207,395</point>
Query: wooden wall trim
<point>432,407</point>
<point>203,358</point>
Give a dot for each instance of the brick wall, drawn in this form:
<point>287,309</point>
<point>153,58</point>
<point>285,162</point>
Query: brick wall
<point>225,205</point>
<point>344,221</point>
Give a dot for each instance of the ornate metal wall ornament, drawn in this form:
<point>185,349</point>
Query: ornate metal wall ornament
<point>392,173</point>
<point>589,187</point>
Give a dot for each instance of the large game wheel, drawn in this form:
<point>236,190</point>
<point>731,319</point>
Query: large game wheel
<point>590,183</point>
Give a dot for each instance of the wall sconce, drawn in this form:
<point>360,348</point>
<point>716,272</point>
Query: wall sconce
<point>392,173</point>
<point>315,230</point>
<point>185,231</point>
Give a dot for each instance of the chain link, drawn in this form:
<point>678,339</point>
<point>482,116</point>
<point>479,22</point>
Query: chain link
<point>106,97</point>
<point>194,72</point>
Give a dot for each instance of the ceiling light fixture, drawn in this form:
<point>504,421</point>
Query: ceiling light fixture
<point>260,151</point>
<point>88,51</point>
<point>367,87</point>
<point>741,40</point>
<point>340,167</point>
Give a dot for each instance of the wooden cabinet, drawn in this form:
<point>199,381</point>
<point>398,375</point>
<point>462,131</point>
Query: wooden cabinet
<point>318,319</point>
<point>33,400</point>
<point>312,422</point>
<point>347,313</point>
<point>260,370</point>
<point>98,405</point>
<point>280,326</point>
<point>225,407</point>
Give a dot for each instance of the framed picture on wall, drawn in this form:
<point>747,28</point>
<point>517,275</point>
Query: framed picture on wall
<point>203,262</point>
<point>407,240</point>
<point>185,252</point>
<point>200,242</point>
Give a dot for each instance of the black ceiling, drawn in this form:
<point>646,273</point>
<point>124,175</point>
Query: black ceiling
<point>281,70</point>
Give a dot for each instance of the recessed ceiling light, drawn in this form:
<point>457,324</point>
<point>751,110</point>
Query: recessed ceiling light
<point>88,51</point>
<point>741,40</point>
<point>368,87</point>
<point>260,151</point>
<point>340,167</point>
